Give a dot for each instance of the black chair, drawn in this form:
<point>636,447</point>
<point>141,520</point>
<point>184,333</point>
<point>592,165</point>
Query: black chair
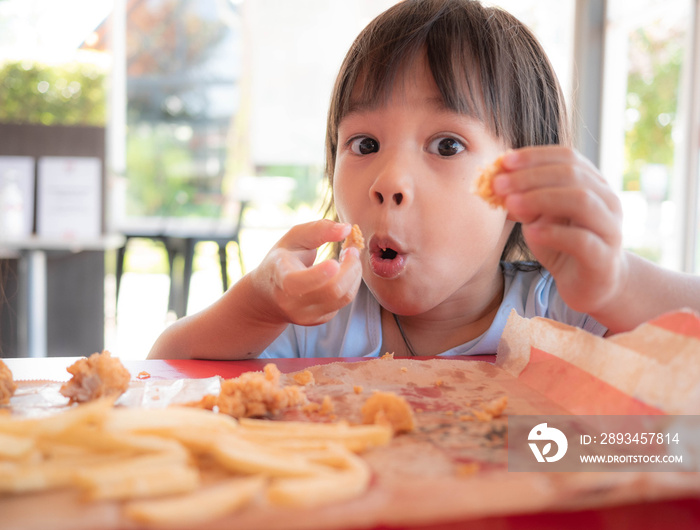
<point>180,236</point>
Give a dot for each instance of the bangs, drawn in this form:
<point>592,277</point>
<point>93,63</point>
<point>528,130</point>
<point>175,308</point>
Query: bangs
<point>380,62</point>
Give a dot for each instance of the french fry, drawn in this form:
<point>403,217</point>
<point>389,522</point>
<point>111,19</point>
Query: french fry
<point>15,446</point>
<point>35,477</point>
<point>240,456</point>
<point>163,420</point>
<point>148,482</point>
<point>116,469</point>
<point>99,440</point>
<point>198,507</point>
<point>93,412</point>
<point>88,413</point>
<point>355,438</point>
<point>323,488</point>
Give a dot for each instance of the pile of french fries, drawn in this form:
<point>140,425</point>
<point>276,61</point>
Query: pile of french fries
<point>182,466</point>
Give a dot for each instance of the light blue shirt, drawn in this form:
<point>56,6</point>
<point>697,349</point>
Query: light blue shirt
<point>356,330</point>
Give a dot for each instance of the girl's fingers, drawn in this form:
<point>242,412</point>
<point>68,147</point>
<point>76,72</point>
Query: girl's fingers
<point>555,175</point>
<point>293,273</point>
<point>549,175</point>
<point>310,236</point>
<point>550,239</point>
<point>339,289</point>
<point>321,299</point>
<point>578,207</point>
<point>296,280</point>
<point>539,155</point>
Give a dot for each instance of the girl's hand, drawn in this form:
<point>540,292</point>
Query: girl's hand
<point>571,221</point>
<point>293,289</point>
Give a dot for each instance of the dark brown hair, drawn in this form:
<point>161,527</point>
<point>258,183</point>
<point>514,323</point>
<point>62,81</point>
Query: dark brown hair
<point>485,62</point>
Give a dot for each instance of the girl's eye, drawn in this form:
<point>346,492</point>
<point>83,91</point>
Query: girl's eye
<point>364,145</point>
<point>446,146</point>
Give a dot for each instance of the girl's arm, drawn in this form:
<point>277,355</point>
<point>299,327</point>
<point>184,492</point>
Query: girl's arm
<point>572,221</point>
<point>286,288</point>
<point>646,291</point>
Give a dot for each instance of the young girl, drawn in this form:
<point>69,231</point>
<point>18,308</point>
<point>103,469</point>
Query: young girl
<point>431,92</point>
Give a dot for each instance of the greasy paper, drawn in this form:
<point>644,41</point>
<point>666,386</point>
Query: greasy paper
<point>453,466</point>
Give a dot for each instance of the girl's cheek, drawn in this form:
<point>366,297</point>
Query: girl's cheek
<point>340,199</point>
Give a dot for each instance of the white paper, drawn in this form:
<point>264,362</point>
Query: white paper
<point>69,197</point>
<point>16,196</point>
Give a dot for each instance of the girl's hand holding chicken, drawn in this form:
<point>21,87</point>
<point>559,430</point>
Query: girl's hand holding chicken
<point>571,220</point>
<point>292,289</point>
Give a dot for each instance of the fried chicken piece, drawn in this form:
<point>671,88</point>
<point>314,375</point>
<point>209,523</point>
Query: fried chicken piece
<point>388,408</point>
<point>7,384</point>
<point>483,186</point>
<point>255,394</point>
<point>354,238</point>
<point>99,375</point>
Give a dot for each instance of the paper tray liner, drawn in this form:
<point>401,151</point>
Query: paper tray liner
<point>420,477</point>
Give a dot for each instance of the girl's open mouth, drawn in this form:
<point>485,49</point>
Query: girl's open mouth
<point>386,258</point>
<point>388,253</point>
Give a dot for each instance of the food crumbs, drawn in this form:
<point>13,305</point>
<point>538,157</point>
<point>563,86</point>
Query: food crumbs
<point>466,470</point>
<point>387,356</point>
<point>482,415</point>
<point>404,369</point>
<point>357,389</point>
<point>304,378</point>
<point>495,407</point>
<point>438,382</point>
<point>311,407</point>
<point>327,406</point>
<point>143,375</point>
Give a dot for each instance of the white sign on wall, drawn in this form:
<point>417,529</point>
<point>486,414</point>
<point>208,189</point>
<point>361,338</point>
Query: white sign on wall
<point>69,197</point>
<point>16,197</point>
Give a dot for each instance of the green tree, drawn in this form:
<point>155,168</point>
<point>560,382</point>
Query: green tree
<point>652,101</point>
<point>70,94</point>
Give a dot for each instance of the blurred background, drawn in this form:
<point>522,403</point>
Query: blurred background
<point>207,119</point>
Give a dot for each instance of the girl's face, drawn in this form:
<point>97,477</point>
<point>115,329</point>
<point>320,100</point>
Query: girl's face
<point>404,174</point>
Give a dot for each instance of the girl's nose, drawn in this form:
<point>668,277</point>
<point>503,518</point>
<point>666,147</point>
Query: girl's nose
<point>397,198</point>
<point>392,186</point>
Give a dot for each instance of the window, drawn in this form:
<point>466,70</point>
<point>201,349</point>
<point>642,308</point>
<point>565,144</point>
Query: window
<point>552,22</point>
<point>644,141</point>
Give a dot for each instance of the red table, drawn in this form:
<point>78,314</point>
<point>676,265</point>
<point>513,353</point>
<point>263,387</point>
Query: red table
<point>677,514</point>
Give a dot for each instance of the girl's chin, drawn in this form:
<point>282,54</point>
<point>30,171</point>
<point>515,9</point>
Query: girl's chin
<point>399,297</point>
